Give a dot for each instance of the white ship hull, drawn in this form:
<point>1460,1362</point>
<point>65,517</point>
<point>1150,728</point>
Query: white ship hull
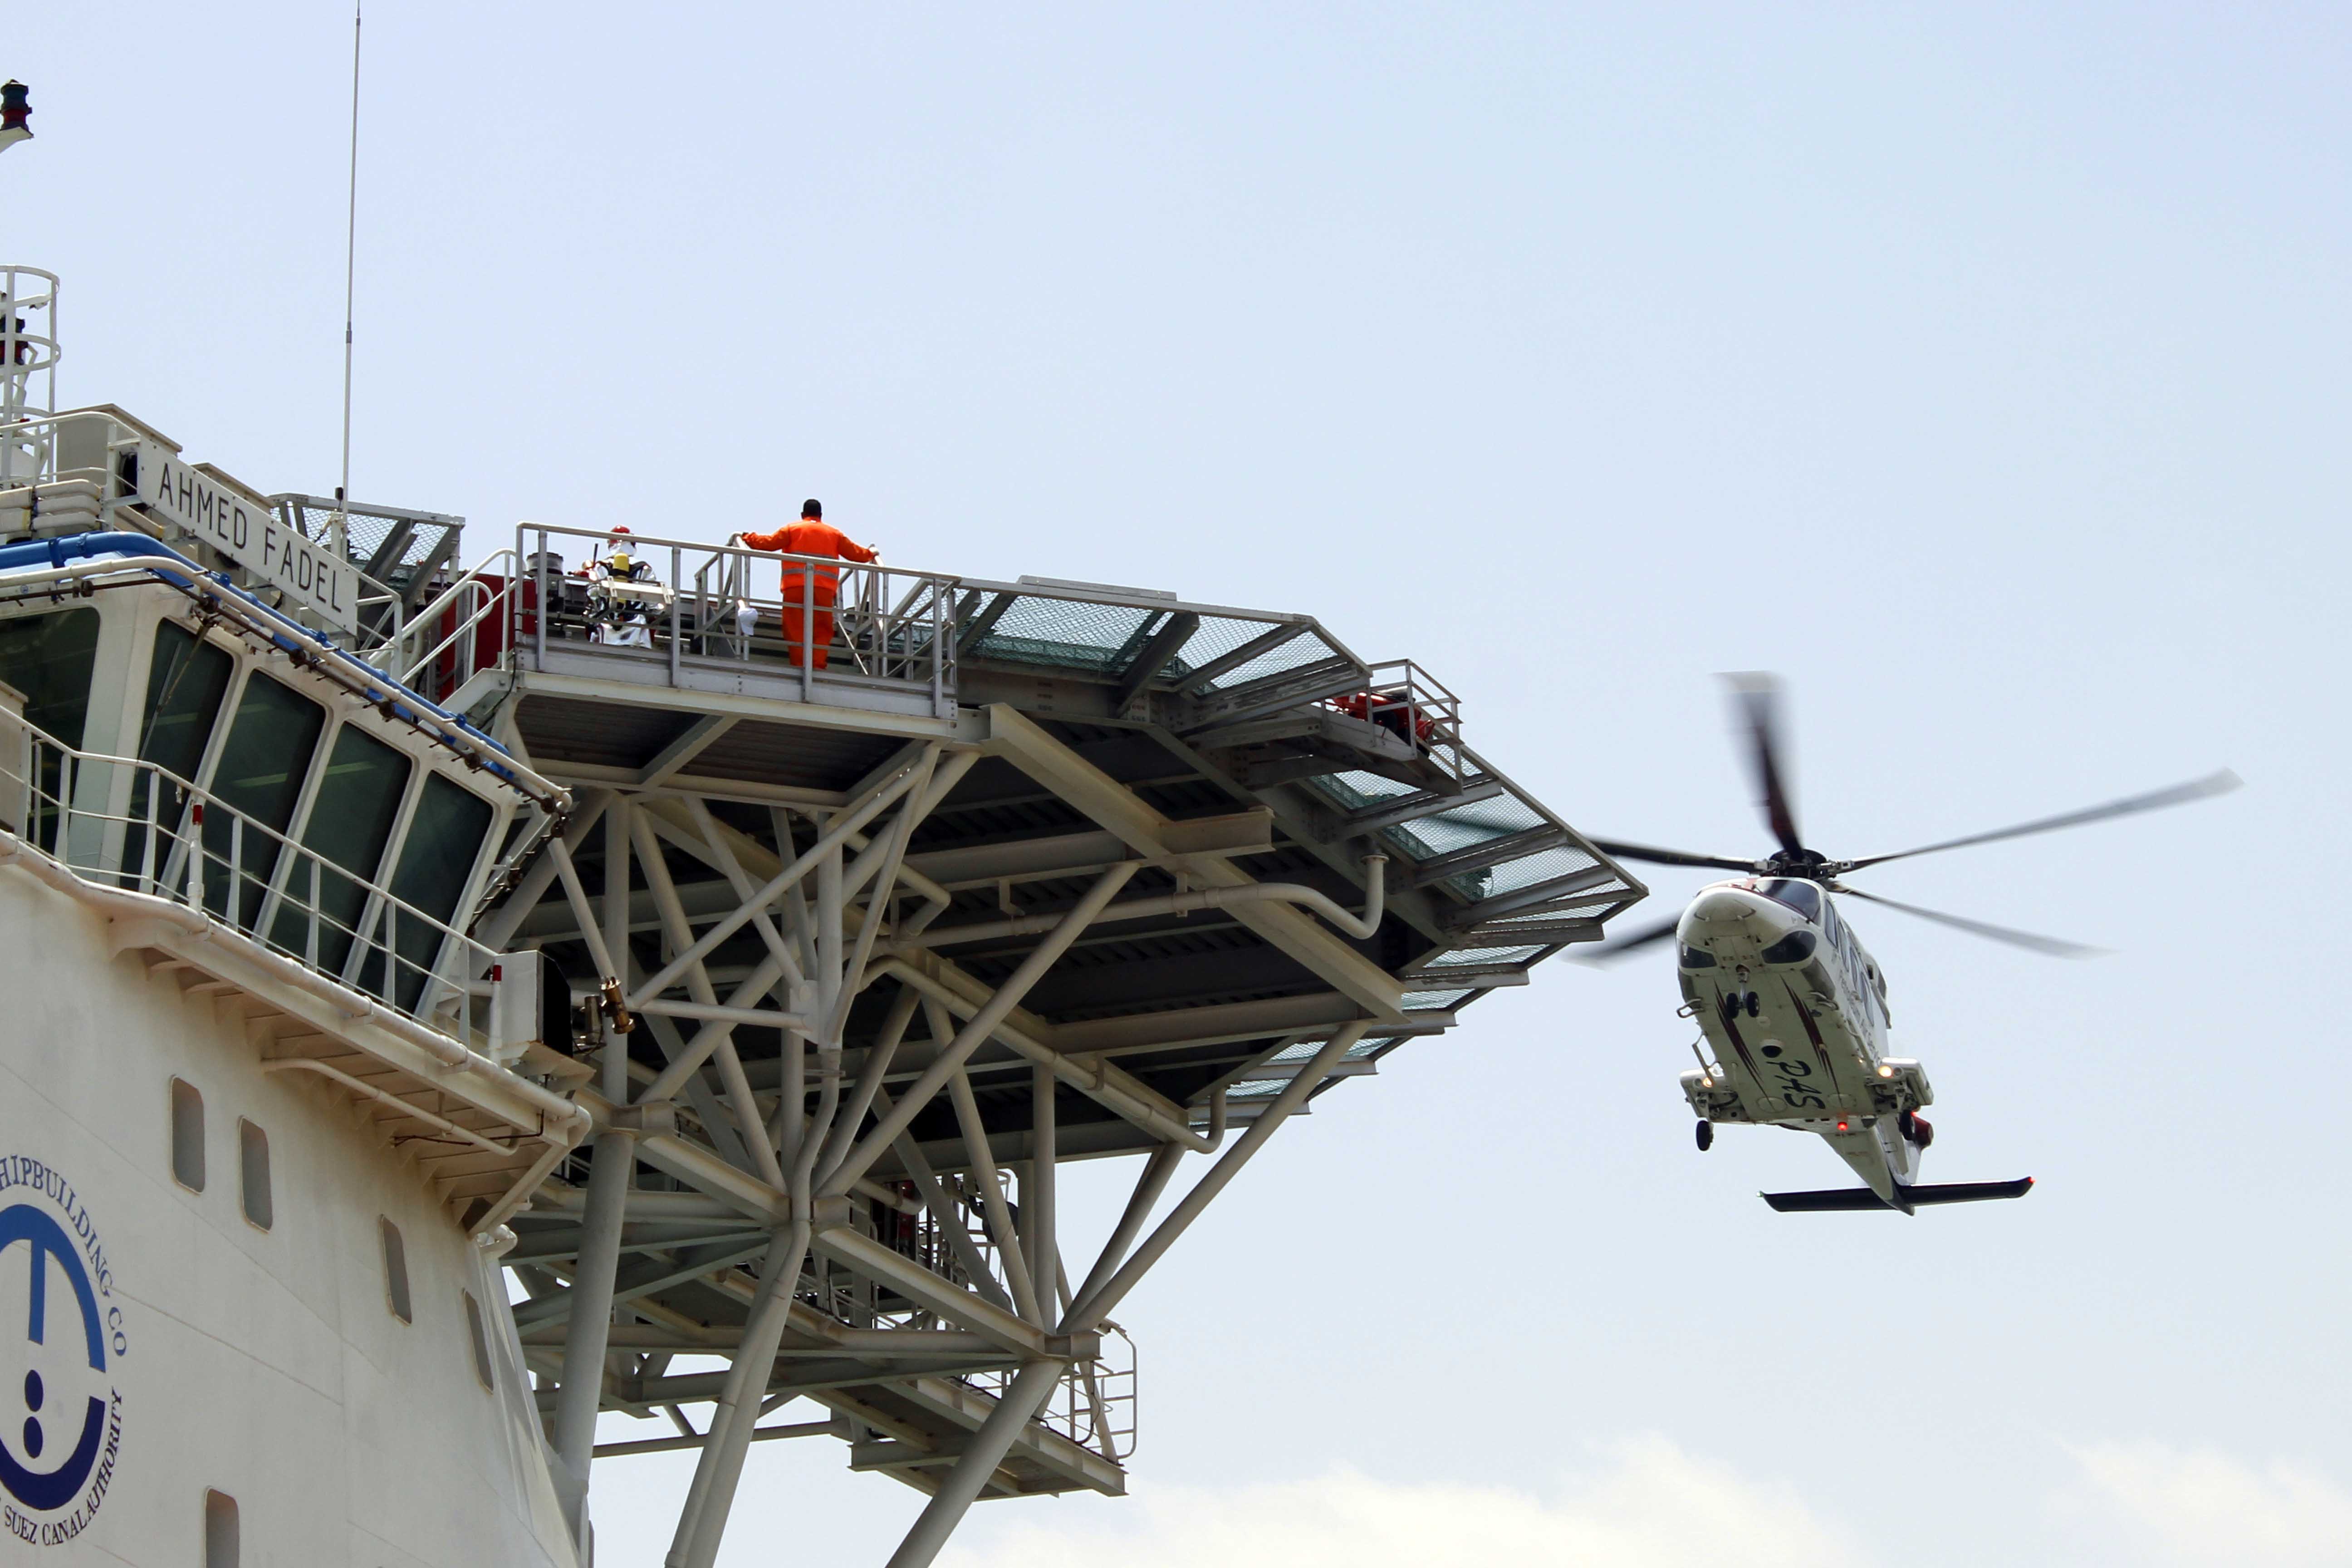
<point>265,1367</point>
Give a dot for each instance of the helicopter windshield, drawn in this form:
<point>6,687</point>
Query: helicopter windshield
<point>1802,897</point>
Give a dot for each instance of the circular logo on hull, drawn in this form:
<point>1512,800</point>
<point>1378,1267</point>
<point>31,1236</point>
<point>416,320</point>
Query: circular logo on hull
<point>60,1337</point>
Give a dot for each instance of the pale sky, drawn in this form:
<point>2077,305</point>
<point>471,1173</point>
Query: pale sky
<point>1981,370</point>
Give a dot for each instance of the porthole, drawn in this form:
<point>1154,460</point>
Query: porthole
<point>253,1170</point>
<point>395,1272</point>
<point>480,1337</point>
<point>221,1543</point>
<point>187,1135</point>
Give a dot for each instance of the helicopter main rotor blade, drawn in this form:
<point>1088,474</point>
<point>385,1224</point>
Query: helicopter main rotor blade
<point>1640,939</point>
<point>2222,783</point>
<point>1669,856</point>
<point>1756,697</point>
<point>2053,946</point>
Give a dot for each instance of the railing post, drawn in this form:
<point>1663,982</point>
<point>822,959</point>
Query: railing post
<point>391,952</point>
<point>196,853</point>
<point>677,590</point>
<point>311,945</point>
<point>64,847</point>
<point>151,873</point>
<point>938,665</point>
<point>808,632</point>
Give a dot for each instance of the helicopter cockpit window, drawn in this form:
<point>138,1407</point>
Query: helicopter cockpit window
<point>1698,958</point>
<point>1802,897</point>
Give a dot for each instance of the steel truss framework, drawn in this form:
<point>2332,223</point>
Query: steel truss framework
<point>852,982</point>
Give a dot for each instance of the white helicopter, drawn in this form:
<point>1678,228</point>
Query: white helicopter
<point>1793,1008</point>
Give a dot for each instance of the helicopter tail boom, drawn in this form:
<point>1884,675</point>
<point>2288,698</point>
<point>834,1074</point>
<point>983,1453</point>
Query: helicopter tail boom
<point>1907,1198</point>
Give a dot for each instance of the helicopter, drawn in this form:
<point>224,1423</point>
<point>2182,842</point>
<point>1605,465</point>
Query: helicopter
<point>1794,1008</point>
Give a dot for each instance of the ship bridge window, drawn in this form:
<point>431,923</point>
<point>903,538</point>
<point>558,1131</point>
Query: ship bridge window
<point>49,658</point>
<point>260,777</point>
<point>436,861</point>
<point>1802,897</point>
<point>187,679</point>
<point>350,823</point>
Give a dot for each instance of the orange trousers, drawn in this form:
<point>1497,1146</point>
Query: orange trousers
<point>822,593</point>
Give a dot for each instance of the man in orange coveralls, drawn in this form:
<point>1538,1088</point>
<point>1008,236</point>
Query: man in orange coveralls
<point>812,535</point>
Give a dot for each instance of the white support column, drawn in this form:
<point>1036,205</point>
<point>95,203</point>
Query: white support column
<point>591,1325</point>
<point>697,985</point>
<point>1025,1299</point>
<point>1148,1188</point>
<point>984,1023</point>
<point>1037,1195</point>
<point>961,1487</point>
<point>878,1057</point>
<point>1097,1304</point>
<point>702,1523</point>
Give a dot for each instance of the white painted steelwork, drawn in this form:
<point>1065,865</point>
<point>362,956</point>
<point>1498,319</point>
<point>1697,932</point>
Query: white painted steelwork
<point>754,1005</point>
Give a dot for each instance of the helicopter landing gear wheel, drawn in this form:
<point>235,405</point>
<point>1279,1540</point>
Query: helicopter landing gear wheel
<point>1705,1135</point>
<point>1755,1004</point>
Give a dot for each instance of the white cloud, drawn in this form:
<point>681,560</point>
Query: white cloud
<point>1650,1505</point>
<point>2200,1508</point>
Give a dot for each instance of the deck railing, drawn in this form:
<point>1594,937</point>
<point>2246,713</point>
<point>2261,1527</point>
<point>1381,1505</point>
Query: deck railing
<point>845,622</point>
<point>1093,1406</point>
<point>124,823</point>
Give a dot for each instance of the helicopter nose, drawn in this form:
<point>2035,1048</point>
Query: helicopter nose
<point>1726,906</point>
<point>1735,925</point>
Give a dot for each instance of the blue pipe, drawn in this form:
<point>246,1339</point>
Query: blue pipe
<point>69,547</point>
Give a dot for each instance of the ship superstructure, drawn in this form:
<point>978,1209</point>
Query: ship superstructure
<point>542,923</point>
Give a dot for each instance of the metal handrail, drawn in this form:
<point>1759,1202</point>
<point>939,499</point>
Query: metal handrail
<point>474,581</point>
<point>147,848</point>
<point>896,624</point>
<point>1094,1404</point>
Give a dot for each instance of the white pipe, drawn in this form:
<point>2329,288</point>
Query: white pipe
<point>306,1064</point>
<point>325,658</point>
<point>1360,927</point>
<point>713,1012</point>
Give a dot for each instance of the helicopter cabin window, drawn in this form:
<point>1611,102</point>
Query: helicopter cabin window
<point>1802,897</point>
<point>436,862</point>
<point>186,678</point>
<point>49,658</point>
<point>258,778</point>
<point>350,824</point>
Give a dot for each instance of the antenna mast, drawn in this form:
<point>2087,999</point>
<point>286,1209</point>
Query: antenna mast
<point>350,265</point>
